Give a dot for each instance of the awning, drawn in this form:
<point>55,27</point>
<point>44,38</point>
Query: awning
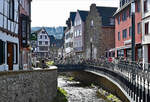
<point>123,47</point>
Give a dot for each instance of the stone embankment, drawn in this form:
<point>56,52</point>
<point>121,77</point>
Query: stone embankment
<point>28,86</point>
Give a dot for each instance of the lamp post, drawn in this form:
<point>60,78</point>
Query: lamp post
<point>133,49</point>
<point>91,40</point>
<point>133,29</point>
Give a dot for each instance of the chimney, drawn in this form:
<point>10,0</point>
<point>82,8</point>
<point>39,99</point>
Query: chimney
<point>92,6</point>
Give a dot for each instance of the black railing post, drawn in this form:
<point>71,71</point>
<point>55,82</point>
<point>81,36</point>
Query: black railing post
<point>144,91</point>
<point>137,88</point>
<point>148,96</point>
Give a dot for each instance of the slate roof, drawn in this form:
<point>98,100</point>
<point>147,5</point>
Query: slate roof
<point>72,16</point>
<point>83,14</point>
<point>37,31</point>
<point>56,42</point>
<point>106,13</point>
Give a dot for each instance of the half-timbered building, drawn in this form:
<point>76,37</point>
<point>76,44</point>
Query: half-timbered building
<point>9,41</point>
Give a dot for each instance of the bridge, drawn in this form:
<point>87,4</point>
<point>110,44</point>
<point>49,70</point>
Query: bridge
<point>130,77</point>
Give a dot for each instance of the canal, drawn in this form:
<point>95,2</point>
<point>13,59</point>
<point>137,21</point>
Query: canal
<point>77,91</point>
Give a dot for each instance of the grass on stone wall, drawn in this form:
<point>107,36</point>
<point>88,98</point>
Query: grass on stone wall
<point>108,97</point>
<point>61,95</point>
<point>71,78</point>
<point>50,63</point>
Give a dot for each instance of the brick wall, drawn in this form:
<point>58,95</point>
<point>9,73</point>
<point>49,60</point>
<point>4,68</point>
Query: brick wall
<point>109,37</point>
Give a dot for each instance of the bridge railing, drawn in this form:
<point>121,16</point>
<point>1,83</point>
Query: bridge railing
<point>134,79</point>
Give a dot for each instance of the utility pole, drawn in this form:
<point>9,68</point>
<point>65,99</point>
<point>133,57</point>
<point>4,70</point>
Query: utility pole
<point>133,29</point>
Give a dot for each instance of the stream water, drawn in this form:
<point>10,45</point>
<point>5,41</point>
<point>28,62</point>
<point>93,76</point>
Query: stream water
<point>78,92</point>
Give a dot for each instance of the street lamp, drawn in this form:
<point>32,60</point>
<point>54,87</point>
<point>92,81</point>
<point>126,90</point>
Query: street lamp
<point>133,48</point>
<point>133,29</point>
<point>91,40</point>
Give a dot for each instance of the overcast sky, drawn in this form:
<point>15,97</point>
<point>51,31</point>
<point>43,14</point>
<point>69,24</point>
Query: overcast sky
<point>55,12</point>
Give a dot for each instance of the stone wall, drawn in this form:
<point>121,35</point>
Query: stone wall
<point>98,38</point>
<point>28,86</point>
<point>93,35</point>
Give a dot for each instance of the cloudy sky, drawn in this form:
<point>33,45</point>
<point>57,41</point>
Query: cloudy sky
<point>55,12</point>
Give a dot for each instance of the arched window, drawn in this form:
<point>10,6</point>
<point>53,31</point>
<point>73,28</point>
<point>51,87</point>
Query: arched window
<point>11,9</point>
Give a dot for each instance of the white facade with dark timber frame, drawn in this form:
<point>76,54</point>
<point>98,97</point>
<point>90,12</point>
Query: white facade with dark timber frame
<point>9,42</point>
<point>43,44</point>
<point>146,31</point>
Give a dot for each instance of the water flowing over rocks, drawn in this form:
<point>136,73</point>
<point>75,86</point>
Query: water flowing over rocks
<point>77,92</point>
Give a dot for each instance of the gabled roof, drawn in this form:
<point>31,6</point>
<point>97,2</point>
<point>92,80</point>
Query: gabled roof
<point>72,16</point>
<point>37,31</point>
<point>83,14</point>
<point>106,13</point>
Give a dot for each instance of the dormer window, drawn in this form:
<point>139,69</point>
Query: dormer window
<point>112,21</point>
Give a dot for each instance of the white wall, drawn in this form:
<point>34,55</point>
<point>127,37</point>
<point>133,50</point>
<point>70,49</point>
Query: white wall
<point>68,49</point>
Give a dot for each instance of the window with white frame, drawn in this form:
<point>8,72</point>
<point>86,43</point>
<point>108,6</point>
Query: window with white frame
<point>40,42</point>
<point>112,21</point>
<point>118,35</point>
<point>40,36</point>
<point>139,28</point>
<point>11,9</point>
<point>80,22</point>
<point>45,37</point>
<point>46,42</point>
<point>124,34</point>
<point>80,32</point>
<point>118,19</point>
<point>75,33</point>
<point>130,31</point>
<point>138,6</point>
<point>146,28</point>
<point>145,5</point>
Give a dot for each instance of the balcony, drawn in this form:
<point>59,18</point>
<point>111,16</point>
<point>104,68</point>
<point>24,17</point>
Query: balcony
<point>146,39</point>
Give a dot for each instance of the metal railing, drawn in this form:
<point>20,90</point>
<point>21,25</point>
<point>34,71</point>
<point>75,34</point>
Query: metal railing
<point>133,77</point>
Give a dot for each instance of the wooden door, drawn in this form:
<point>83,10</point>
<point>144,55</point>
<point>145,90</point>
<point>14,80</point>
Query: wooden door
<point>10,55</point>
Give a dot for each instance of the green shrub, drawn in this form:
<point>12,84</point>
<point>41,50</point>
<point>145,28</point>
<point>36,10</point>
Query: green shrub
<point>61,95</point>
<point>50,63</point>
<point>71,78</point>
